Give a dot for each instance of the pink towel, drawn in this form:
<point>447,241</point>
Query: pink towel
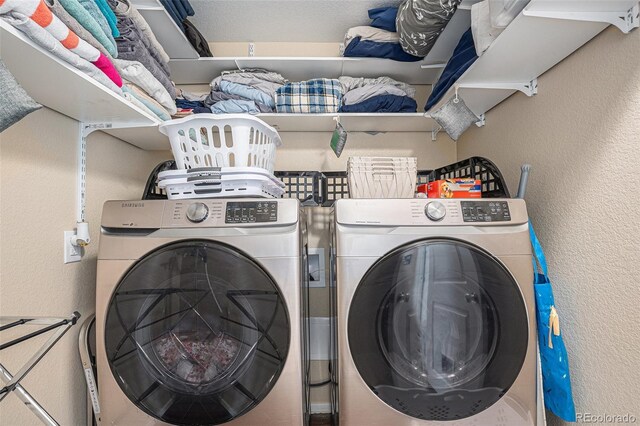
<point>104,64</point>
<point>38,11</point>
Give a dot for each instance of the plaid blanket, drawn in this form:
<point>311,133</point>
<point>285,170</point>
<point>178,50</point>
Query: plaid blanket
<point>311,96</point>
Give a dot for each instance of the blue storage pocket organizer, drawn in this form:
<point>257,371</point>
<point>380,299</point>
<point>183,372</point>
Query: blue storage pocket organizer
<point>556,381</point>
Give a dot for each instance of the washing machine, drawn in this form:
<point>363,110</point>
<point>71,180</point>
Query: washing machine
<point>435,313</point>
<point>198,312</point>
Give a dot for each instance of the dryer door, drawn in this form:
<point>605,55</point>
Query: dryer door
<point>438,330</point>
<point>196,333</point>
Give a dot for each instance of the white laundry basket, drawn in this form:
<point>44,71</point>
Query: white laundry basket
<point>382,177</point>
<point>229,140</point>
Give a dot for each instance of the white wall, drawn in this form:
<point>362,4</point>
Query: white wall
<point>37,196</point>
<point>581,133</point>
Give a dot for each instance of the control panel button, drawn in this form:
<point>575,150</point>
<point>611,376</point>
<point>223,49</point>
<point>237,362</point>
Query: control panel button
<point>484,211</point>
<point>251,212</point>
<point>197,212</point>
<point>435,211</point>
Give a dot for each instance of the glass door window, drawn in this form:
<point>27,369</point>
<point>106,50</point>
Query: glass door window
<point>197,333</point>
<point>438,330</point>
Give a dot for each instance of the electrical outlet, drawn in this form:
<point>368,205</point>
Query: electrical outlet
<point>71,253</point>
<point>252,49</point>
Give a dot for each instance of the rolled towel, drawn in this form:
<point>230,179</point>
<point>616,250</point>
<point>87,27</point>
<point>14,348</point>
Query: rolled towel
<point>42,38</point>
<point>94,11</point>
<point>38,12</point>
<point>85,19</point>
<point>136,73</point>
<point>149,102</point>
<point>75,26</point>
<point>128,95</point>
<point>129,19</point>
<point>109,16</point>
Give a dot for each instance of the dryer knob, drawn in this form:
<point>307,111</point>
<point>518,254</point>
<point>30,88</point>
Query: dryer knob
<point>435,211</point>
<point>197,212</point>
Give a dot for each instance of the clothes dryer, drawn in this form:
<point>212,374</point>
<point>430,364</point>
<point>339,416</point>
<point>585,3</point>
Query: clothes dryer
<point>435,312</point>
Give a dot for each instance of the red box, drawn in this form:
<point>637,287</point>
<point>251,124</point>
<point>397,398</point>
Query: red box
<point>453,188</point>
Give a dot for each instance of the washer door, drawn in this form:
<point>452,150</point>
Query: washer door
<point>438,330</point>
<point>197,333</point>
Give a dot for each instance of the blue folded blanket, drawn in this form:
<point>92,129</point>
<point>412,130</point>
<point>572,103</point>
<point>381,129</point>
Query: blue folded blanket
<point>185,104</point>
<point>383,103</point>
<point>247,92</point>
<point>234,106</point>
<point>359,48</point>
<point>384,18</point>
<point>463,56</point>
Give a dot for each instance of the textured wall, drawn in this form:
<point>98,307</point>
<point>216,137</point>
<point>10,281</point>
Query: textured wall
<point>581,133</point>
<point>38,175</point>
<point>281,20</point>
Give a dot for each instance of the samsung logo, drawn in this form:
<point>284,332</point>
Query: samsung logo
<point>131,204</point>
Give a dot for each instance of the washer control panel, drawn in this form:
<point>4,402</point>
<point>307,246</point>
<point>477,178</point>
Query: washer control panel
<point>485,211</point>
<point>251,212</point>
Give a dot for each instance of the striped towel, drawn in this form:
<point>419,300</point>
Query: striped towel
<point>38,12</point>
<point>320,95</point>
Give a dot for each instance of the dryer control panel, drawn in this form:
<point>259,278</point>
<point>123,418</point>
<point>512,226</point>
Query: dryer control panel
<point>251,212</point>
<point>485,211</point>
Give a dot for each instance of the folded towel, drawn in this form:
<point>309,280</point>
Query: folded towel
<point>351,83</point>
<point>85,19</point>
<point>154,106</point>
<point>137,74</point>
<point>359,48</point>
<point>361,94</point>
<point>131,22</point>
<point>383,103</point>
<point>320,95</point>
<point>42,38</point>
<point>71,22</point>
<point>146,31</point>
<point>126,93</point>
<point>234,106</point>
<point>94,11</point>
<point>38,12</point>
<point>371,34</point>
<point>131,48</point>
<point>109,16</point>
<point>247,92</point>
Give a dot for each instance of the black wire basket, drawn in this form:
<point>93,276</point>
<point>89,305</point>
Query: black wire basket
<point>314,188</point>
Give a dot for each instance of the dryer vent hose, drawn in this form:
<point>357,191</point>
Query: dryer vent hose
<point>524,178</point>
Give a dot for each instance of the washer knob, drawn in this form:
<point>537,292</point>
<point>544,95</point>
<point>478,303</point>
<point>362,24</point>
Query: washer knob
<point>197,212</point>
<point>435,211</point>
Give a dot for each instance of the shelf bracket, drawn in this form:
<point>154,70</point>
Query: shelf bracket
<point>624,20</point>
<point>80,237</point>
<point>529,88</point>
